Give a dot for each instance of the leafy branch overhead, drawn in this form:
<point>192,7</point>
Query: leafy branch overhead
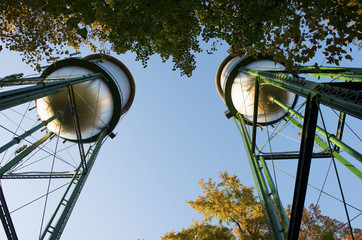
<point>292,31</point>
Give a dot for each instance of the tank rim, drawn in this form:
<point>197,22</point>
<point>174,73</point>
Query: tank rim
<point>116,97</point>
<point>124,69</point>
<point>227,94</point>
<point>218,74</point>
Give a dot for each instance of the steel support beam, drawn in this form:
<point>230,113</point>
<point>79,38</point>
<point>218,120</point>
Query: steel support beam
<point>275,193</point>
<point>261,184</point>
<point>342,99</point>
<point>23,154</point>
<point>19,80</point>
<point>342,73</point>
<point>304,162</point>
<point>255,114</point>
<point>330,137</point>
<point>15,97</point>
<point>6,218</point>
<point>340,128</point>
<point>77,127</point>
<point>17,139</point>
<point>292,156</point>
<point>36,175</point>
<point>332,152</point>
<point>57,222</point>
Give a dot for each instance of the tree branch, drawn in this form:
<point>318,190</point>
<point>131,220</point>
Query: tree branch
<point>240,229</point>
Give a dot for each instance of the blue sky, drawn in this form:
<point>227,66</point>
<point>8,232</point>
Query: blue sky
<point>174,134</point>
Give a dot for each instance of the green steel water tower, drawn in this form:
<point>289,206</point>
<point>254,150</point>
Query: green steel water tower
<point>261,97</point>
<point>73,106</point>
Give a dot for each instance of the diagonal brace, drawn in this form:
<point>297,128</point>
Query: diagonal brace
<point>77,128</point>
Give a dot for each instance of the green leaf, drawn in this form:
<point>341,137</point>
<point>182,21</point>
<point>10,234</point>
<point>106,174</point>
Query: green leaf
<point>73,22</point>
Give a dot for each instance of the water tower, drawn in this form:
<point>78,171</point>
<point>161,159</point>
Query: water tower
<point>265,99</point>
<point>73,107</point>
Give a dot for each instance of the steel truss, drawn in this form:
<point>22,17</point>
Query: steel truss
<point>11,98</point>
<point>345,97</point>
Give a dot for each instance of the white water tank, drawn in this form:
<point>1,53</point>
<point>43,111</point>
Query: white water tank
<point>100,103</point>
<point>238,92</point>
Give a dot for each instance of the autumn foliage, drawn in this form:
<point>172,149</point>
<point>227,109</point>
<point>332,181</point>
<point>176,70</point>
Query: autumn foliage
<point>291,31</point>
<point>240,216</point>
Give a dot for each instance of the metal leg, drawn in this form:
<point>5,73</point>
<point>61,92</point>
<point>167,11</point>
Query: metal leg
<point>304,162</point>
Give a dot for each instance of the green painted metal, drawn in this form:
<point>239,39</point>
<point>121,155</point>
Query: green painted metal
<point>49,229</point>
<point>325,146</point>
<point>285,220</point>
<point>59,218</point>
<point>340,73</point>
<point>292,156</point>
<point>16,140</point>
<point>340,128</point>
<point>267,203</point>
<point>345,97</point>
<point>318,189</point>
<point>283,215</point>
<point>15,97</point>
<point>341,77</point>
<point>342,99</point>
<point>23,154</point>
<point>327,135</point>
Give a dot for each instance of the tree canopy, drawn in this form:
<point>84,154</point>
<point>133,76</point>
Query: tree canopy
<point>235,206</point>
<point>291,31</point>
<point>201,231</point>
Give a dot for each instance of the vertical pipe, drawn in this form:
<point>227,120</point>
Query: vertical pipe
<point>255,113</point>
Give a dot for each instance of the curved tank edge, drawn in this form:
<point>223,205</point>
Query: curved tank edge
<point>83,63</point>
<point>126,71</point>
<point>248,59</point>
<point>218,74</point>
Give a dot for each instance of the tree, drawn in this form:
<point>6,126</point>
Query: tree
<point>44,27</point>
<point>291,31</point>
<point>232,203</point>
<point>201,231</point>
<point>317,226</point>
